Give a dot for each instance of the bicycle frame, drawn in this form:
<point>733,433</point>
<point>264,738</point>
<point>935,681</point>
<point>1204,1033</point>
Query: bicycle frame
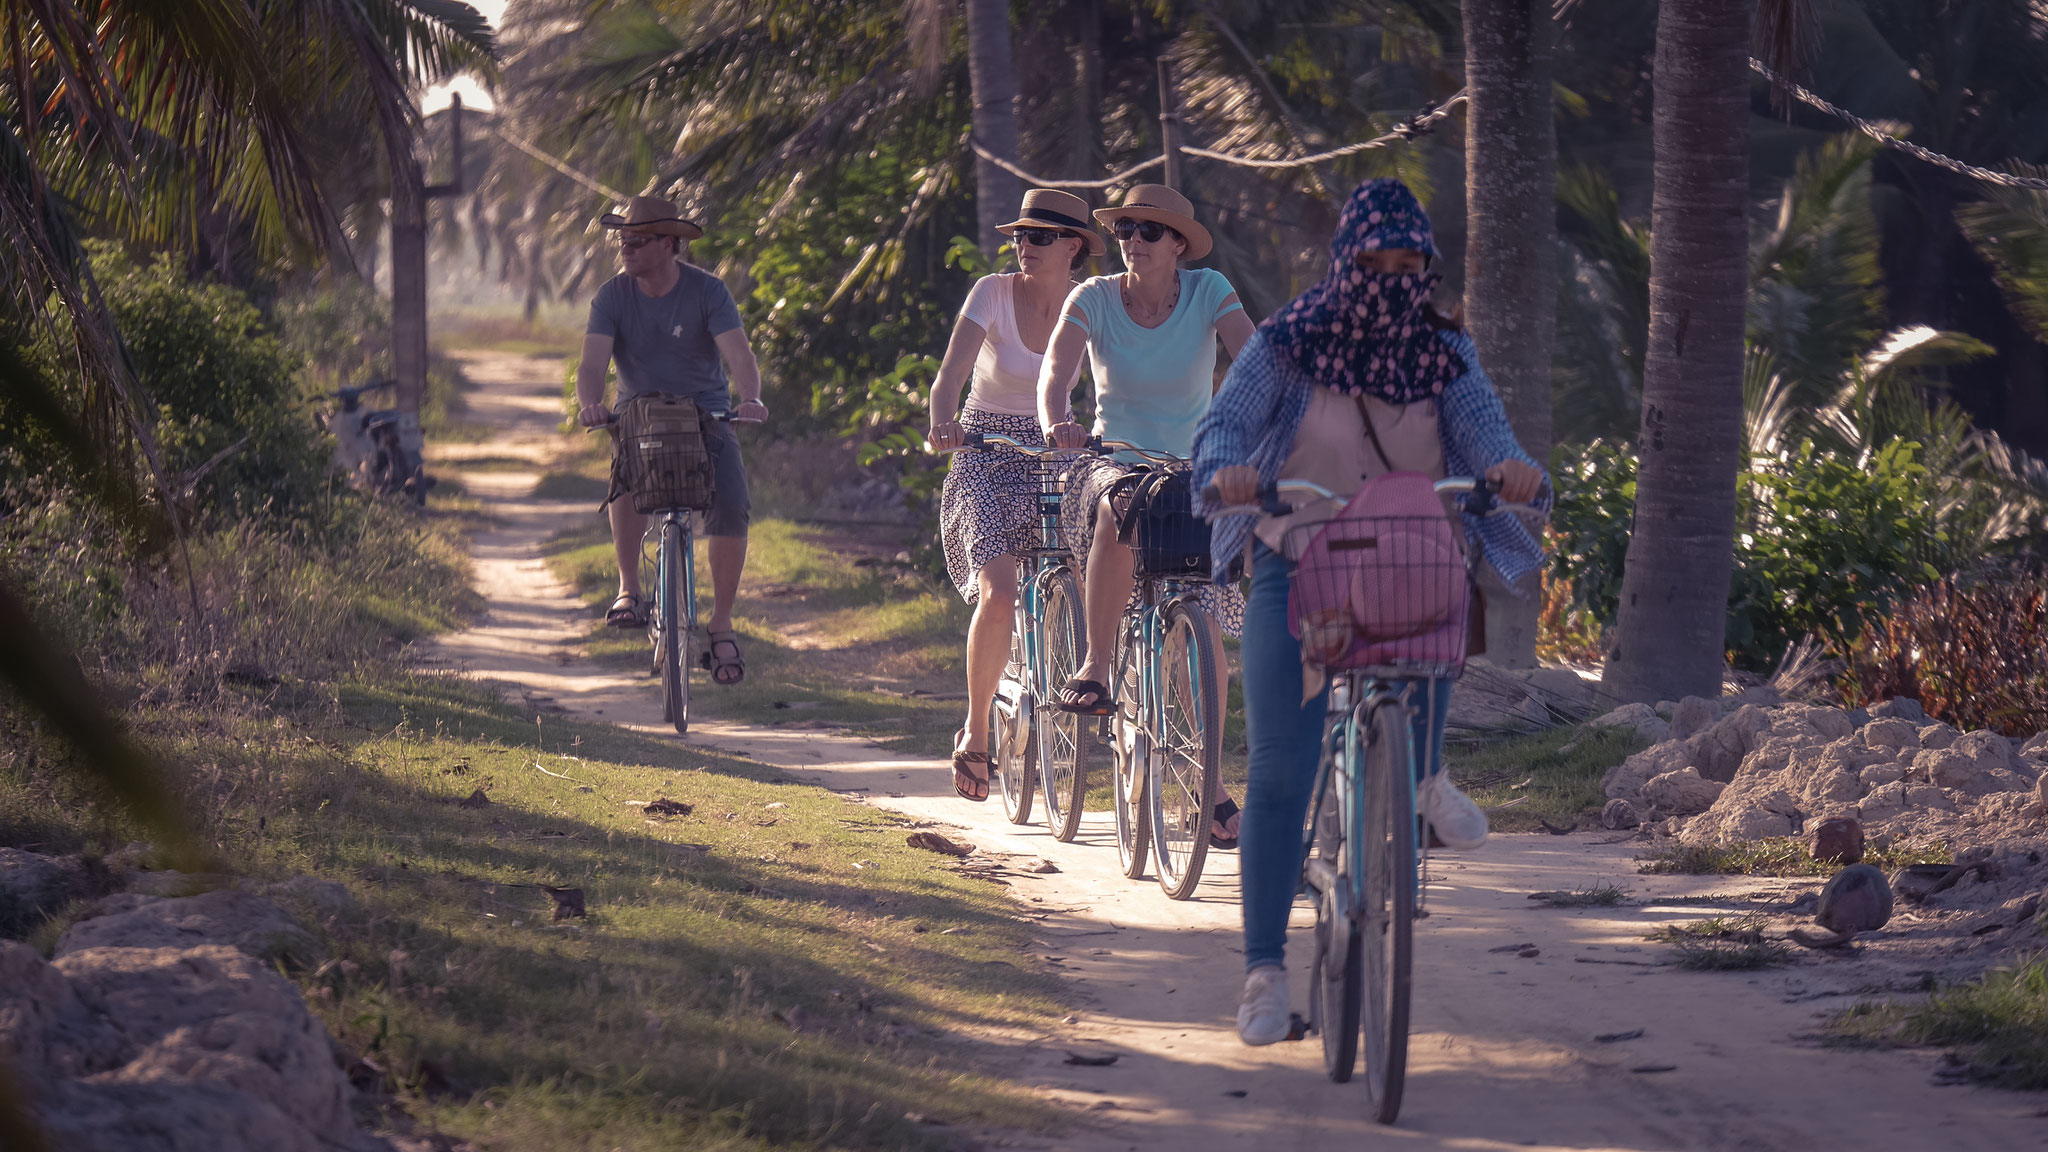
<point>663,574</point>
<point>1354,696</point>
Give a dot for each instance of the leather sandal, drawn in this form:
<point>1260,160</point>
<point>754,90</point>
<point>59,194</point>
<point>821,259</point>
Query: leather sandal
<point>625,612</point>
<point>1225,809</point>
<point>1068,699</point>
<point>726,670</point>
<point>965,781</point>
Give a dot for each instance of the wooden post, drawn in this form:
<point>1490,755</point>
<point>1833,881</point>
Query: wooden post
<point>409,196</point>
<point>1169,125</point>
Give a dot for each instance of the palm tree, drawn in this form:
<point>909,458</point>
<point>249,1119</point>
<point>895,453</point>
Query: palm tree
<point>996,192</point>
<point>1511,243</point>
<point>1671,627</point>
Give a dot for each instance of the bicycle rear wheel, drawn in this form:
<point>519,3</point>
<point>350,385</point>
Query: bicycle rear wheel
<point>1187,764</point>
<point>1386,893</point>
<point>675,632</point>
<point>1130,762</point>
<point>1061,767</point>
<point>1009,758</point>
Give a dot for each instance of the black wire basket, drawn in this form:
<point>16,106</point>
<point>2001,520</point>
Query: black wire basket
<point>1168,541</point>
<point>1381,591</point>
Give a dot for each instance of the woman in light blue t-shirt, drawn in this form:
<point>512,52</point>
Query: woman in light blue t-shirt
<point>1150,335</point>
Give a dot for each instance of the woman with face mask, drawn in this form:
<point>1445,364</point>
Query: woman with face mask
<point>1359,376</point>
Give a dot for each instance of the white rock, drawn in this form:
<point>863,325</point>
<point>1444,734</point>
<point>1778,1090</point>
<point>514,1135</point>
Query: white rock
<point>1625,780</point>
<point>1682,793</point>
<point>2037,744</point>
<point>1878,775</point>
<point>1888,732</point>
<point>1938,735</point>
<point>1640,717</point>
<point>1884,798</point>
<point>1692,716</point>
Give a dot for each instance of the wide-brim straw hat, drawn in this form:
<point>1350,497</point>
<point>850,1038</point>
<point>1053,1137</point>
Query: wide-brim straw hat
<point>652,214</point>
<point>1049,208</point>
<point>1158,202</point>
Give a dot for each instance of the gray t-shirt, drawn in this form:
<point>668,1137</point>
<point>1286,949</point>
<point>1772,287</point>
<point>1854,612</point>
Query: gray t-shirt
<point>668,343</point>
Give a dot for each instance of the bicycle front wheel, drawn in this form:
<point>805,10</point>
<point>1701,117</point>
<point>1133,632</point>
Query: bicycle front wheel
<point>1385,850</point>
<point>674,639</point>
<point>1188,763</point>
<point>1130,759</point>
<point>1009,752</point>
<point>1061,769</point>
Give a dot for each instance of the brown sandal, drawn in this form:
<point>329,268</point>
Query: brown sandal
<point>964,781</point>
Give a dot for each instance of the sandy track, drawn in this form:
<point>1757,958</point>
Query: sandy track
<point>1503,1053</point>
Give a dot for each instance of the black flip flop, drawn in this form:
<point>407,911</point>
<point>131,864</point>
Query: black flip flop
<point>1104,705</point>
<point>1224,811</point>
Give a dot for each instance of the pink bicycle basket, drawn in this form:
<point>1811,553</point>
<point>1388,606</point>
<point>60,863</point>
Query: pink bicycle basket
<point>1384,583</point>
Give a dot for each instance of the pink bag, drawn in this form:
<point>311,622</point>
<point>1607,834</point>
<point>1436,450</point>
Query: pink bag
<point>1383,583</point>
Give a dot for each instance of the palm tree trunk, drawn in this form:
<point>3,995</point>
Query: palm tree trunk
<point>1511,245</point>
<point>997,192</point>
<point>1670,633</point>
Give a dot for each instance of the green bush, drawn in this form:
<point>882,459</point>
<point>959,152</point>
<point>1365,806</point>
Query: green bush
<point>217,373</point>
<point>1825,540</point>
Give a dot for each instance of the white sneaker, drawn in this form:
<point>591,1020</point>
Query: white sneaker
<point>1264,1013</point>
<point>1458,821</point>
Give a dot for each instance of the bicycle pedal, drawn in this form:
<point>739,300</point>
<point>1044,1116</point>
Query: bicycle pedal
<point>1297,1027</point>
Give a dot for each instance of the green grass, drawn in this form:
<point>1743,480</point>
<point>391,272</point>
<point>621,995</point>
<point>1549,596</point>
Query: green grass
<point>1999,1022</point>
<point>1544,782</point>
<point>1774,856</point>
<point>661,1019</point>
<point>1723,944</point>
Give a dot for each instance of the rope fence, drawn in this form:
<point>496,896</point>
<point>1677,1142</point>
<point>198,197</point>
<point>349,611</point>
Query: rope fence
<point>596,186</point>
<point>1877,133</point>
<point>1422,123</point>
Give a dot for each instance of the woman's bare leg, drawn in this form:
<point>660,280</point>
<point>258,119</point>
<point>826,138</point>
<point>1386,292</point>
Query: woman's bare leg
<point>988,644</point>
<point>1107,590</point>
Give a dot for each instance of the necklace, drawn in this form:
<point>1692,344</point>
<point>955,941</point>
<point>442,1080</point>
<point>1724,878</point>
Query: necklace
<point>1123,289</point>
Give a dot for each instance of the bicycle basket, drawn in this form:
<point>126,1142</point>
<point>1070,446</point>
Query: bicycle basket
<point>1384,583</point>
<point>1168,541</point>
<point>662,457</point>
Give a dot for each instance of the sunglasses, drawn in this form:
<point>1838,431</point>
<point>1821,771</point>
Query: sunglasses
<point>636,243</point>
<point>1038,237</point>
<point>1147,230</point>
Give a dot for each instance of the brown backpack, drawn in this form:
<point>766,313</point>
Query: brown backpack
<point>660,455</point>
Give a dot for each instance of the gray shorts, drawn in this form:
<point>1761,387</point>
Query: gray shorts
<point>731,509</point>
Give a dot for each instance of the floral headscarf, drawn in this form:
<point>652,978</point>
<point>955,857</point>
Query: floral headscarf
<point>1359,332</point>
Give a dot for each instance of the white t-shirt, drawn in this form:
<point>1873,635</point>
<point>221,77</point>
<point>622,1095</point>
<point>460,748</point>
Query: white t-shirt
<point>1006,372</point>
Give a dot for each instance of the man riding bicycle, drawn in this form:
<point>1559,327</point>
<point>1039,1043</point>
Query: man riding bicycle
<point>673,328</point>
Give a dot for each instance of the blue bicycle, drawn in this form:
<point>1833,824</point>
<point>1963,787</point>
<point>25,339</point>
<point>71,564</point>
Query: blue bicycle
<point>1034,746</point>
<point>1363,859</point>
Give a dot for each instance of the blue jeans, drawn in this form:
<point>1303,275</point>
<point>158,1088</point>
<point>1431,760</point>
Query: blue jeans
<point>1285,735</point>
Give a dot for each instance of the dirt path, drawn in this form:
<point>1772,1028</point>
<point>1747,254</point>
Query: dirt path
<point>1504,1051</point>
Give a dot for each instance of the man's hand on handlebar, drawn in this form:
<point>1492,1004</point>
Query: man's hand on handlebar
<point>594,415</point>
<point>1236,485</point>
<point>946,436</point>
<point>1516,482</point>
<point>1067,435</point>
<point>750,412</point>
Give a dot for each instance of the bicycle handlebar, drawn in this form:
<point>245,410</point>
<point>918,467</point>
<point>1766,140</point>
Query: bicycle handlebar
<point>1095,444</point>
<point>612,421</point>
<point>1480,496</point>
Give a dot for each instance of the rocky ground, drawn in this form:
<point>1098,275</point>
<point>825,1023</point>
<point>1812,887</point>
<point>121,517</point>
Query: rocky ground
<point>161,1021</point>
<point>1888,781</point>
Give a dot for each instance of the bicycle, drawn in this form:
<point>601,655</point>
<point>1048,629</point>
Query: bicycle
<point>1362,868</point>
<point>369,446</point>
<point>1167,733</point>
<point>1045,650</point>
<point>672,610</point>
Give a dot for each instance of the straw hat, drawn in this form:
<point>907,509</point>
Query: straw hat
<point>1047,208</point>
<point>1158,202</point>
<point>652,214</point>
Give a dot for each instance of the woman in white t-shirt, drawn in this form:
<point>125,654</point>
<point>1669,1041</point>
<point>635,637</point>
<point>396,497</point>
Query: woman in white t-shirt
<point>987,509</point>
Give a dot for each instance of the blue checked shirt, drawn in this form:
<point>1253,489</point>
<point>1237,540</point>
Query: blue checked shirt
<point>1255,415</point>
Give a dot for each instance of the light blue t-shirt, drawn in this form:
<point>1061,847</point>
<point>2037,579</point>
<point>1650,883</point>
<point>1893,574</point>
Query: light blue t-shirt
<point>1152,384</point>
